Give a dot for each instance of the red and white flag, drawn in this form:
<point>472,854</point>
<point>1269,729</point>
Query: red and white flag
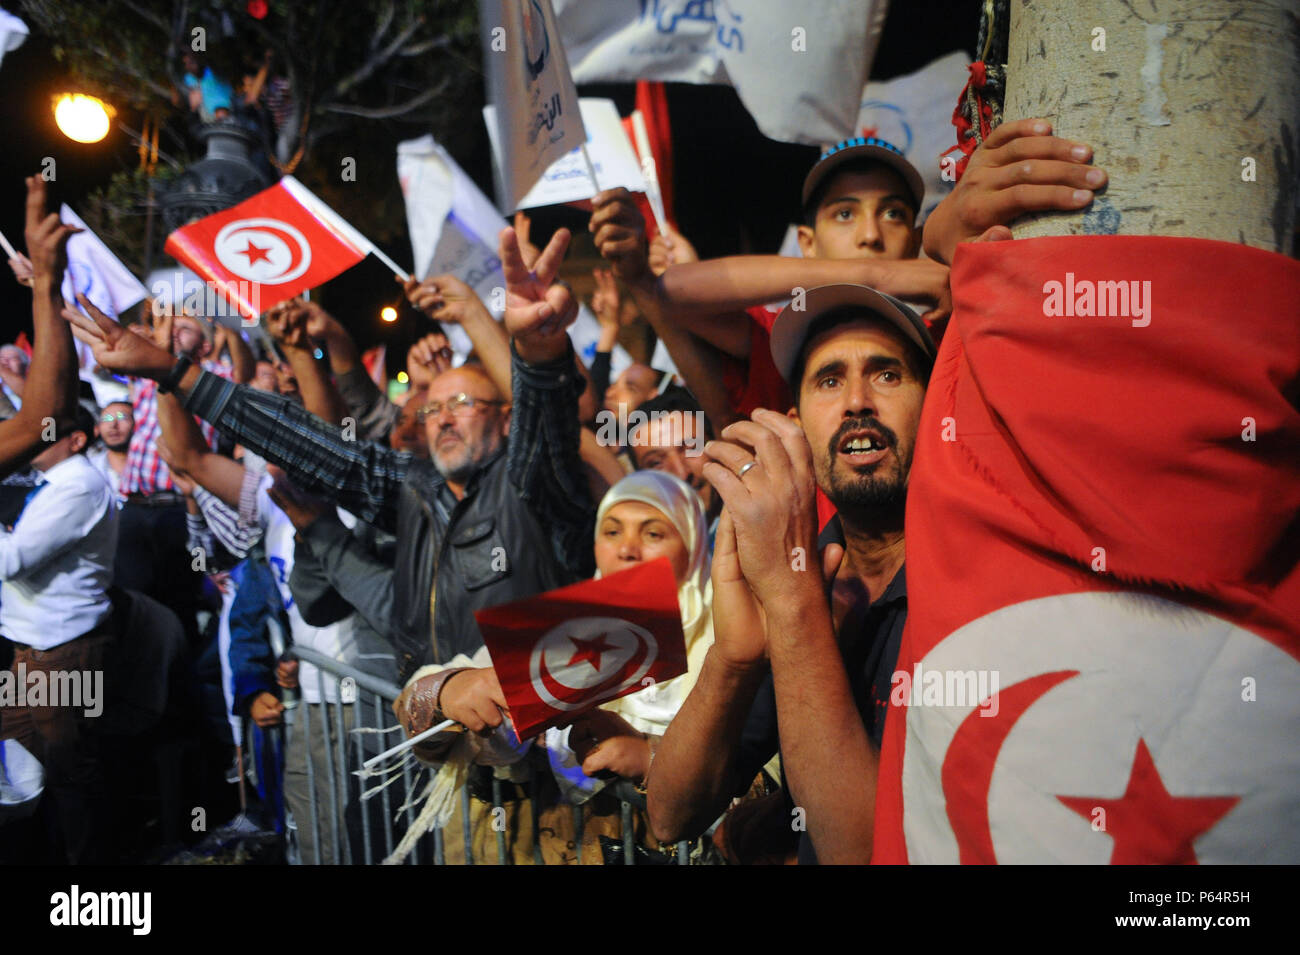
<point>270,247</point>
<point>563,652</point>
<point>1104,513</point>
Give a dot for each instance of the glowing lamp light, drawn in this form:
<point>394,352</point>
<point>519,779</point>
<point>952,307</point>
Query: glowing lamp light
<point>389,314</point>
<point>401,377</point>
<point>83,119</point>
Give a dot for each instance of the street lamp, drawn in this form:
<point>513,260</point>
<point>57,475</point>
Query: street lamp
<point>82,118</point>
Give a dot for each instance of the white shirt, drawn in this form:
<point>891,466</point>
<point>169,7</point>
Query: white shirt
<point>57,563</point>
<point>99,458</point>
<point>338,640</point>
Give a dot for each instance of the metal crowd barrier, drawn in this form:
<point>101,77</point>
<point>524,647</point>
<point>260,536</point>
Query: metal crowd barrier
<point>345,752</point>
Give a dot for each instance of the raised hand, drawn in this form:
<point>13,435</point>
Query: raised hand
<point>116,348</point>
<point>538,309</point>
<point>445,298</point>
<point>162,328</point>
<point>1020,168</point>
<point>763,471</point>
<point>46,236</point>
<point>605,301</point>
<point>427,359</point>
<point>670,249</point>
<point>619,231</point>
<point>22,269</point>
<point>301,508</point>
<point>287,324</point>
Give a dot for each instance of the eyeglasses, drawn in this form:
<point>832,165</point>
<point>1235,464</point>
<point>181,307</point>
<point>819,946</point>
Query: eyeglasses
<point>108,417</point>
<point>461,405</point>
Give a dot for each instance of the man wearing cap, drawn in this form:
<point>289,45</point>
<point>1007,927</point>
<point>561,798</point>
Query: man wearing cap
<point>796,666</point>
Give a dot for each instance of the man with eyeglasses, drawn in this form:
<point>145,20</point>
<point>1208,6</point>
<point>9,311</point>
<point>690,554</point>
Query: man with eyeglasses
<point>499,512</point>
<point>114,427</point>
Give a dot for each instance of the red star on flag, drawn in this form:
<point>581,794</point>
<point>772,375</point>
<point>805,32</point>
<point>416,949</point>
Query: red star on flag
<point>255,253</point>
<point>1147,824</point>
<point>589,650</point>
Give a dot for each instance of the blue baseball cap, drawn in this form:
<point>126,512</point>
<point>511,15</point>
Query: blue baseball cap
<point>859,148</point>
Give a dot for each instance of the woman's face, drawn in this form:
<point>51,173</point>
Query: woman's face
<point>633,533</point>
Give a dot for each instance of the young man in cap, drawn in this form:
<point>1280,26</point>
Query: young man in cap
<point>857,362</point>
<point>860,203</point>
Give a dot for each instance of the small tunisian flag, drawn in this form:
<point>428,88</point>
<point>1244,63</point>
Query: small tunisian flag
<point>563,652</point>
<point>270,247</point>
<point>1104,514</point>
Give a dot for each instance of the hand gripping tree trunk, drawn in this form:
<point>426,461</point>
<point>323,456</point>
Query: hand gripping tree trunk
<point>1190,105</point>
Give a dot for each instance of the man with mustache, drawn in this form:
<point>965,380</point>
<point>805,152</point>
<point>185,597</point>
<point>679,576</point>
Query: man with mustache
<point>857,362</point>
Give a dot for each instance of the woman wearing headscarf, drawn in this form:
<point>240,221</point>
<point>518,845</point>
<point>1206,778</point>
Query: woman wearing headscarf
<point>646,516</point>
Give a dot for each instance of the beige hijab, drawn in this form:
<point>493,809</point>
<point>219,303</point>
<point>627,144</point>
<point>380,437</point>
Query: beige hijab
<point>650,710</point>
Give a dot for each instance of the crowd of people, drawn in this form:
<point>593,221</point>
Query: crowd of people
<point>232,506</point>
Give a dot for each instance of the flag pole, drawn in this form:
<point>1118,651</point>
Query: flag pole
<point>591,170</point>
<point>650,171</point>
<point>9,249</point>
<point>397,270</point>
<point>407,744</point>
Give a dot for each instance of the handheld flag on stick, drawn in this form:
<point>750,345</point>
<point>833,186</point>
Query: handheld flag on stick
<point>606,153</point>
<point>532,90</point>
<point>272,246</point>
<point>564,652</point>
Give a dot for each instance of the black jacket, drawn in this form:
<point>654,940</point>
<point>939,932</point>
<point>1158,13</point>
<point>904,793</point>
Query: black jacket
<point>525,525</point>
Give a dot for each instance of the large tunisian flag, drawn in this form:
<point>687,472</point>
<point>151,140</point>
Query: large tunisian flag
<point>270,247</point>
<point>563,652</point>
<point>1105,510</point>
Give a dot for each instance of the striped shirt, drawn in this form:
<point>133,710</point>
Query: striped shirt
<point>145,471</point>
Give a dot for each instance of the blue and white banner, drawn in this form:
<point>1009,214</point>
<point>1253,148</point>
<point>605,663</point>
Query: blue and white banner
<point>799,68</point>
<point>568,179</point>
<point>530,85</point>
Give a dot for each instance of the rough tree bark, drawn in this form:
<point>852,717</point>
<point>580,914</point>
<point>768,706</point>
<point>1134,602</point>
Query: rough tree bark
<point>1187,102</point>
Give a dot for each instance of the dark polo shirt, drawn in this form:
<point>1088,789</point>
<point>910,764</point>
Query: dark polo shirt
<point>869,639</point>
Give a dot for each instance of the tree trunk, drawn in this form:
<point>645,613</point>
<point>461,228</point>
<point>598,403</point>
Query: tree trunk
<point>1191,106</point>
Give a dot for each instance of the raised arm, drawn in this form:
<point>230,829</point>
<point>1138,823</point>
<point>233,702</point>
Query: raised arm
<point>291,324</point>
<point>543,452</point>
<point>241,356</point>
<point>695,772</point>
<point>620,235</point>
<point>51,388</point>
<point>363,476</point>
<point>445,298</point>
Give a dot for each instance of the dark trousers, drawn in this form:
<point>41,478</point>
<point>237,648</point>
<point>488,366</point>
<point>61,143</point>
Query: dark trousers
<point>68,744</point>
<point>151,558</point>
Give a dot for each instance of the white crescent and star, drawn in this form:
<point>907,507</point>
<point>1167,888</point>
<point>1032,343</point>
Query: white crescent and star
<point>1124,733</point>
<point>605,654</point>
<point>263,250</point>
